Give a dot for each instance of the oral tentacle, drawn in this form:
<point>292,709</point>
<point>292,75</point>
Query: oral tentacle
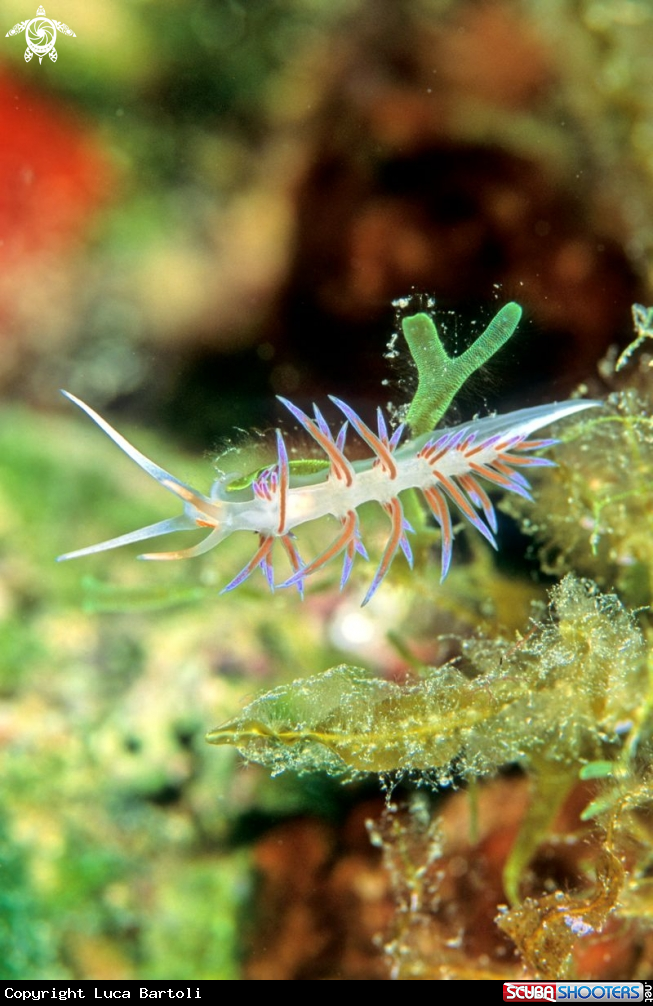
<point>164,478</point>
<point>211,540</point>
<point>181,523</point>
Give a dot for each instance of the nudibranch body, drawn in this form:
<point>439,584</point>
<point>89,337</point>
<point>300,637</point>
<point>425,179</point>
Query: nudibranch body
<point>447,467</point>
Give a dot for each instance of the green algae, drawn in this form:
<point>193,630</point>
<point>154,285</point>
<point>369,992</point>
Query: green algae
<point>560,696</point>
<point>440,376</point>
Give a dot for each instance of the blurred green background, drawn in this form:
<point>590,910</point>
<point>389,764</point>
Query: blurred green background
<point>204,203</point>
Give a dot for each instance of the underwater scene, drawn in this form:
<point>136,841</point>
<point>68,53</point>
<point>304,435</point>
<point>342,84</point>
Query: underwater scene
<point>351,306</point>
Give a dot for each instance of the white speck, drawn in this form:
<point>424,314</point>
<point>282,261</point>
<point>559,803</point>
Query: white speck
<point>578,926</point>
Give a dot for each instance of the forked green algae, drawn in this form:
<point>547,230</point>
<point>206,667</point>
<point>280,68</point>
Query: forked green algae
<point>440,376</point>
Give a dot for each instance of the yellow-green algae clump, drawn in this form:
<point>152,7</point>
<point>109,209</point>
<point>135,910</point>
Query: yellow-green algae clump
<point>593,513</point>
<point>565,692</point>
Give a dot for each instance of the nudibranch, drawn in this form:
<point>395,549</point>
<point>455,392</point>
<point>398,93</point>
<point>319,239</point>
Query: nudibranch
<point>448,467</point>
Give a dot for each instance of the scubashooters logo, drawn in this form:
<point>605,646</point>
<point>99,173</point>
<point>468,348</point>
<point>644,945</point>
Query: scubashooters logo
<point>574,992</point>
<point>40,35</point>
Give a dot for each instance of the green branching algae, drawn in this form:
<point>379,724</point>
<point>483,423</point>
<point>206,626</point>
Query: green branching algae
<point>440,376</point>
